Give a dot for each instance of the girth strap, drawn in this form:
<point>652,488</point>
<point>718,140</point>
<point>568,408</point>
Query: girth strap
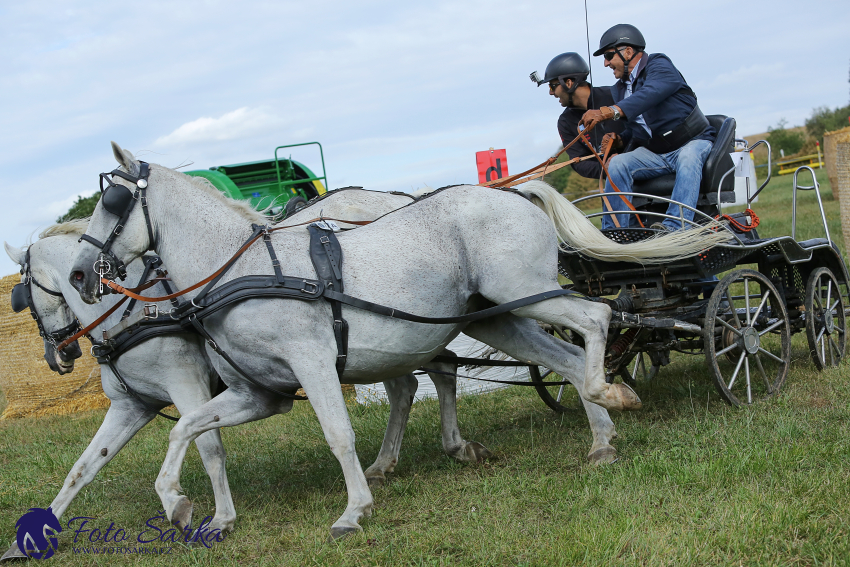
<point>326,255</point>
<point>132,392</point>
<point>199,327</point>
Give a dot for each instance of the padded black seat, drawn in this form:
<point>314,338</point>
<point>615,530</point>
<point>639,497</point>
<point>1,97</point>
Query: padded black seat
<point>716,164</point>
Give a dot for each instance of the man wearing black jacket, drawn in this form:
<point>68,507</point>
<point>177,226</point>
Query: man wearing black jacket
<point>567,78</point>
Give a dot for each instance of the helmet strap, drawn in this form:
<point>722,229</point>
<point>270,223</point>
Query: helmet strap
<point>629,62</point>
<point>569,91</point>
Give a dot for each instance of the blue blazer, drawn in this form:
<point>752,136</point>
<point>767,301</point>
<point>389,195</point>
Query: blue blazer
<point>661,95</point>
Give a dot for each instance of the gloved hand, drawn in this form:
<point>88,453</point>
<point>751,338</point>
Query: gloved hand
<point>618,141</point>
<point>593,117</point>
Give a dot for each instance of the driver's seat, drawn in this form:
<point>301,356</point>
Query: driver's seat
<point>716,164</point>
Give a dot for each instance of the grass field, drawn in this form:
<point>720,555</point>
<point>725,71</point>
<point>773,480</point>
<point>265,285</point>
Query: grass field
<point>698,482</point>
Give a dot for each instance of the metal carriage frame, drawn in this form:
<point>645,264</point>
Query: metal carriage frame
<point>742,323</point>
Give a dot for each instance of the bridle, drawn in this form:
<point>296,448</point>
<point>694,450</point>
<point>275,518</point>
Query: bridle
<point>22,298</point>
<point>120,201</point>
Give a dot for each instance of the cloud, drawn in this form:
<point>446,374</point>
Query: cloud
<point>238,124</point>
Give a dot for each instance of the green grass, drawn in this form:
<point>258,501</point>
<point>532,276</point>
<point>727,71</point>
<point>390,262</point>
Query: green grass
<point>698,482</point>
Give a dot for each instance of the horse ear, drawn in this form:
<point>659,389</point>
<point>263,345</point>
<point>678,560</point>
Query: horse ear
<point>124,158</point>
<point>16,254</point>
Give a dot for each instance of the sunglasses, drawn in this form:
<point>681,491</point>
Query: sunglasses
<point>554,85</point>
<point>609,55</point>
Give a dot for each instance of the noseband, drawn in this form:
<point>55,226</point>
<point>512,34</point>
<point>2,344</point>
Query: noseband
<point>22,298</point>
<point>118,200</point>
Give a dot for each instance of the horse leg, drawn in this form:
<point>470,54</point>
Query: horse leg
<point>400,392</point>
<point>231,407</point>
<point>321,384</point>
<point>453,443</point>
<point>590,320</point>
<point>189,398</point>
<point>523,339</point>
<point>123,420</point>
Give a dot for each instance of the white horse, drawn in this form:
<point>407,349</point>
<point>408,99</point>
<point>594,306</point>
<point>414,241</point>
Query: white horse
<point>441,257</point>
<point>188,380</point>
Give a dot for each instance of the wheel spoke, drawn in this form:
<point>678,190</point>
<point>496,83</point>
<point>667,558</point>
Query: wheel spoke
<point>822,342</point>
<point>733,309</point>
<point>820,335</point>
<point>828,290</point>
<point>545,374</point>
<point>747,374</point>
<point>773,326</point>
<point>560,393</point>
<point>832,310</point>
<point>728,326</point>
<point>767,384</point>
<point>737,369</point>
<point>638,361</point>
<point>725,350</point>
<point>771,355</point>
<point>747,299</point>
<point>816,296</point>
<point>833,350</point>
<point>761,305</point>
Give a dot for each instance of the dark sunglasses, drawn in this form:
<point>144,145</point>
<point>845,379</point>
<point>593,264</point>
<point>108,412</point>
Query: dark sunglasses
<point>116,198</point>
<point>554,85</point>
<point>609,55</point>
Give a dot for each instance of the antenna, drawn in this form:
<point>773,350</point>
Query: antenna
<point>589,60</point>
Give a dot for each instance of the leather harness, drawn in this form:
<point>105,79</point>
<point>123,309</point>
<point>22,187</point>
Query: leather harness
<point>326,256</point>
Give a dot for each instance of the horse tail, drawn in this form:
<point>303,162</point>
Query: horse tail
<point>579,233</point>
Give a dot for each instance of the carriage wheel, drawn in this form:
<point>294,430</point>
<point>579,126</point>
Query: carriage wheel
<point>826,327</point>
<point>551,395</point>
<point>747,337</point>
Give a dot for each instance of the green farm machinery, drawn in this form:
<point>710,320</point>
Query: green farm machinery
<point>277,185</point>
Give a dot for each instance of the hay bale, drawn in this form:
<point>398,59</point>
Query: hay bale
<point>830,155</point>
<point>31,388</point>
<point>842,186</point>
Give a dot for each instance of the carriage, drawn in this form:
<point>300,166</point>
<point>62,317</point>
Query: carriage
<point>742,324</point>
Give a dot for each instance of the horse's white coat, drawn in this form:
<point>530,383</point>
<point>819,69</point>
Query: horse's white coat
<point>439,257</point>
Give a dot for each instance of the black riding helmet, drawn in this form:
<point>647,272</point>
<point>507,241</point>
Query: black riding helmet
<point>621,34</point>
<point>568,65</point>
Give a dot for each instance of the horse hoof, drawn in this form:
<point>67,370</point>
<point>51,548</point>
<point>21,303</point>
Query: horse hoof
<point>376,480</point>
<point>603,456</point>
<point>181,516</point>
<point>627,398</point>
<point>341,532</point>
<point>13,553</point>
<point>477,452</point>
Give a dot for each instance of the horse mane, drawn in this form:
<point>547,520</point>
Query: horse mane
<point>75,227</point>
<point>244,208</point>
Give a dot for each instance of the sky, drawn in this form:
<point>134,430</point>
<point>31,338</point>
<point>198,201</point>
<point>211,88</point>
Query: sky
<point>400,95</point>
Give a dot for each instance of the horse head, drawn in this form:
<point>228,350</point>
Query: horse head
<point>118,231</point>
<point>37,292</point>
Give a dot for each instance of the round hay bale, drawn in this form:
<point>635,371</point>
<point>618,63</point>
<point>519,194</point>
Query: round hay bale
<point>31,388</point>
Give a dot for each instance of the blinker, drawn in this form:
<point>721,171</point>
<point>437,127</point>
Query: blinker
<point>19,298</point>
<point>116,199</point>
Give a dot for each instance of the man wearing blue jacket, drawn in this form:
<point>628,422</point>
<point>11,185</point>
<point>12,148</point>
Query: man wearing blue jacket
<point>665,130</point>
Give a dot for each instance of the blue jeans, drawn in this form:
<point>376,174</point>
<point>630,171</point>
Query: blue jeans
<point>642,164</point>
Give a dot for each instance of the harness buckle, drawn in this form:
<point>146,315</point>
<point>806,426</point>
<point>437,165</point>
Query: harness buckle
<point>305,283</point>
<point>151,311</point>
<point>119,228</point>
<point>324,240</point>
<point>212,344</point>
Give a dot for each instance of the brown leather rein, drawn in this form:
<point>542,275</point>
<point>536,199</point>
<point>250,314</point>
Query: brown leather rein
<point>533,173</point>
